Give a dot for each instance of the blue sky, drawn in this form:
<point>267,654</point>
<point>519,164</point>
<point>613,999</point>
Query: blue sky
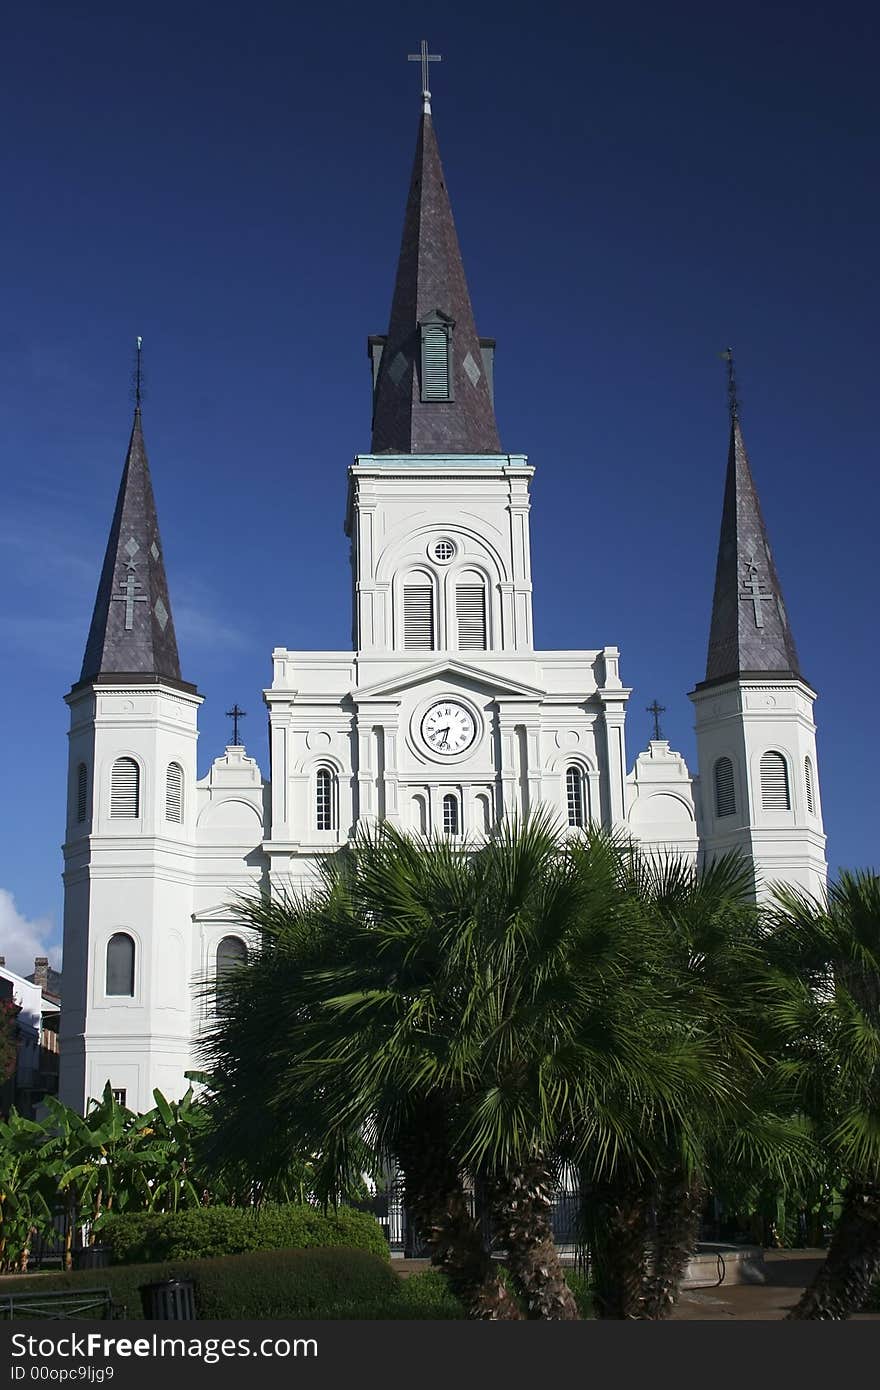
<point>634,187</point>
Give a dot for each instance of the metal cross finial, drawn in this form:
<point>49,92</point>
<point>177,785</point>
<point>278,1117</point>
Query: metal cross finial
<point>656,710</point>
<point>235,714</point>
<point>424,57</point>
<point>733,400</point>
<point>137,374</point>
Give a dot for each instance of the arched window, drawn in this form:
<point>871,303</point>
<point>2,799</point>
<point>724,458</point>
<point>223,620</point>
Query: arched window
<point>470,608</point>
<point>231,952</point>
<point>574,796</point>
<point>451,821</point>
<point>125,790</point>
<point>774,783</point>
<point>174,793</point>
<point>82,789</point>
<point>326,800</point>
<point>725,796</point>
<point>418,614</point>
<point>120,964</point>
<point>808,779</point>
<point>484,812</point>
<point>437,357</point>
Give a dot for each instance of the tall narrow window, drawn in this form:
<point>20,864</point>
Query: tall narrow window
<point>125,790</point>
<point>470,606</point>
<point>174,793</point>
<point>725,796</point>
<point>82,788</point>
<point>230,953</point>
<point>437,357</point>
<point>120,964</point>
<point>774,783</point>
<point>419,814</point>
<point>808,779</point>
<point>450,814</point>
<point>574,796</point>
<point>484,813</point>
<point>325,799</point>
<point>418,617</point>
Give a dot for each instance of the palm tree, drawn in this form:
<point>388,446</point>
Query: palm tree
<point>828,954</point>
<point>709,961</point>
<point>480,1016</point>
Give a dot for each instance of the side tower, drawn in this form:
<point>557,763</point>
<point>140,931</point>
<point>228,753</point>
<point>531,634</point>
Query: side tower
<point>756,739</point>
<point>129,846</point>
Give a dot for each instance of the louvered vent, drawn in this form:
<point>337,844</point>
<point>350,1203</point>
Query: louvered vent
<point>808,778</point>
<point>82,786</point>
<point>418,617</point>
<point>435,363</point>
<point>125,790</point>
<point>174,793</point>
<point>725,796</point>
<point>470,602</point>
<point>774,783</point>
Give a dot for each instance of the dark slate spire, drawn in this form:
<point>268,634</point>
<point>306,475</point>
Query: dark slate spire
<point>132,632</point>
<point>431,282</point>
<point>750,635</point>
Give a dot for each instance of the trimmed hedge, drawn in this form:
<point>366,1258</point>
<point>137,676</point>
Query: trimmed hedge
<point>206,1232</point>
<point>261,1284</point>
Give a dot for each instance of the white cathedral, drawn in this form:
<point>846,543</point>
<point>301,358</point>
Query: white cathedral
<point>441,719</point>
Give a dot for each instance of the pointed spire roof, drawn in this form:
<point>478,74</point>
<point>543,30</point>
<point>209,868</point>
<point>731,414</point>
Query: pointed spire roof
<point>749,634</point>
<point>431,282</point>
<point>132,633</point>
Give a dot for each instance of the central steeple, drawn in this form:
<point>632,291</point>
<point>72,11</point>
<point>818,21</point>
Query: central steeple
<point>432,373</point>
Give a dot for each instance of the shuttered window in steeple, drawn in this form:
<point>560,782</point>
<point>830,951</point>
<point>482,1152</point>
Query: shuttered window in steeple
<point>470,604</point>
<point>774,783</point>
<point>725,796</point>
<point>436,358</point>
<point>808,779</point>
<point>418,617</point>
<point>82,787</point>
<point>174,793</point>
<point>125,790</point>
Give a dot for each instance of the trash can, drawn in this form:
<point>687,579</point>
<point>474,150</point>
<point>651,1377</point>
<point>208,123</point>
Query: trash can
<point>169,1299</point>
<point>92,1257</point>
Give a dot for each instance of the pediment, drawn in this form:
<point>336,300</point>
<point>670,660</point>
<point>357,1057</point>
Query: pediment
<point>491,682</point>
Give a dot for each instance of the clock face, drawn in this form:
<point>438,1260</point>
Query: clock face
<point>448,727</point>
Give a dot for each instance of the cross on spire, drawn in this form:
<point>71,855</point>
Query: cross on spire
<point>733,400</point>
<point>235,714</point>
<point>656,710</point>
<point>754,591</point>
<point>129,597</point>
<point>138,379</point>
<point>424,57</point>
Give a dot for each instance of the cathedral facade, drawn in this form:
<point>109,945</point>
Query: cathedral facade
<point>442,719</point>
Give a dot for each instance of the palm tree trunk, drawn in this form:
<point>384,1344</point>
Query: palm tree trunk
<point>679,1205</point>
<point>520,1203</point>
<point>842,1285</point>
<point>614,1220</point>
<point>438,1205</point>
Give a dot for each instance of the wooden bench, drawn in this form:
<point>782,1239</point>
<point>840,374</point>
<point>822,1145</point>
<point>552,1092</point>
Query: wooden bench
<point>60,1304</point>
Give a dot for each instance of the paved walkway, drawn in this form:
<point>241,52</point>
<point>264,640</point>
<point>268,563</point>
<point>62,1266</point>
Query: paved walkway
<point>788,1273</point>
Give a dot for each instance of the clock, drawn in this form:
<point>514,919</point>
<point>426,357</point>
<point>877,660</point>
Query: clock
<point>448,727</point>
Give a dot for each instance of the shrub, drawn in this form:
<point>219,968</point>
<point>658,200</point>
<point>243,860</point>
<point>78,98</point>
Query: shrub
<point>262,1284</point>
<point>205,1232</point>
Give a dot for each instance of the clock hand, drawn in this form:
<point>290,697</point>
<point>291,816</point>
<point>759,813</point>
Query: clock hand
<point>445,733</point>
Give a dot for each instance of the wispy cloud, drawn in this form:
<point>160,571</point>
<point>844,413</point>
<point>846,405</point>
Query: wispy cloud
<point>22,938</point>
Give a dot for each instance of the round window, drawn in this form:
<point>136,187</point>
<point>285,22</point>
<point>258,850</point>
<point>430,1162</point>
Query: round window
<point>443,551</point>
